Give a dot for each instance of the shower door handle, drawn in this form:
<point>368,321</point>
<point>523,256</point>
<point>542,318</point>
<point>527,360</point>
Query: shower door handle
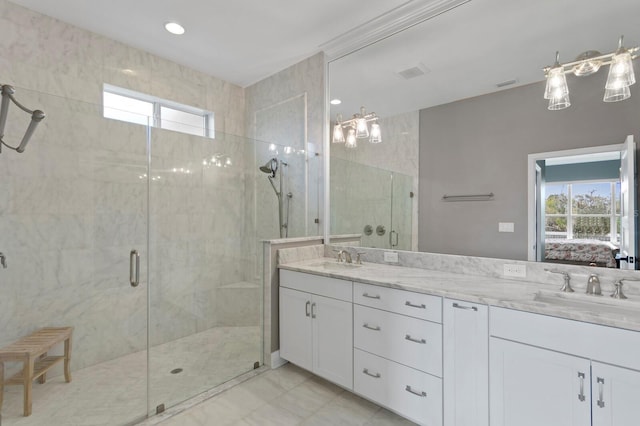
<point>391,234</point>
<point>134,268</point>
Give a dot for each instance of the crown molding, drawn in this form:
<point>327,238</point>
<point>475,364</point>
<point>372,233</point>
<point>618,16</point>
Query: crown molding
<point>395,20</point>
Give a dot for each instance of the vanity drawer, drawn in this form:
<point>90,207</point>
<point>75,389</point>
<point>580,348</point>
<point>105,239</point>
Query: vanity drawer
<point>411,393</point>
<point>317,284</point>
<point>403,302</point>
<point>409,341</point>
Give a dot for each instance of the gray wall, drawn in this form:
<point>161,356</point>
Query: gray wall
<point>480,145</point>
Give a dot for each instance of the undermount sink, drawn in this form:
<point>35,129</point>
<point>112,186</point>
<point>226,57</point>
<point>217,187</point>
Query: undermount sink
<point>589,303</point>
<point>334,265</point>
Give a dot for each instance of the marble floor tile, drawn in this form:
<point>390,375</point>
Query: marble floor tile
<point>114,392</point>
<point>299,399</point>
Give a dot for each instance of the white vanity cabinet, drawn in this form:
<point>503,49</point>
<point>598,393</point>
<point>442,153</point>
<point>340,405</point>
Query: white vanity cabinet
<point>465,329</point>
<point>615,395</point>
<point>398,351</point>
<point>532,386</point>
<point>553,371</point>
<point>316,331</point>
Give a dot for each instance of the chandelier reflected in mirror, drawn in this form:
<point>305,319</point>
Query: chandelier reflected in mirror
<point>357,128</point>
<point>619,79</point>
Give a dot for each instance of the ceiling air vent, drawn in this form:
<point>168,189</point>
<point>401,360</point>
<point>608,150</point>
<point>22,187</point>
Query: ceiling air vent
<point>412,72</point>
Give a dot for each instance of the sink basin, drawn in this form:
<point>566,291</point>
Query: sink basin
<point>334,265</point>
<point>588,303</point>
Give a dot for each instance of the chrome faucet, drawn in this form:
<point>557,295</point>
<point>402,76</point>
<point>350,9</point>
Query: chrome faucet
<point>3,260</point>
<point>593,285</point>
<point>566,287</point>
<point>343,256</point>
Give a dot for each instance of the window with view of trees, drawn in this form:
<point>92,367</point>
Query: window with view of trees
<point>584,210</point>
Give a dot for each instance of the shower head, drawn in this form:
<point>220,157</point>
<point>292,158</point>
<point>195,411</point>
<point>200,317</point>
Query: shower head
<point>270,167</point>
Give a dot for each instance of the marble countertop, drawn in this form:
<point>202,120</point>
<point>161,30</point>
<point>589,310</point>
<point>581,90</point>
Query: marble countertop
<point>520,295</point>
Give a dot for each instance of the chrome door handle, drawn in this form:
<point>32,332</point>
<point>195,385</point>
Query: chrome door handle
<point>581,396</point>
<point>375,376</point>
<point>375,328</point>
<point>375,296</point>
<point>455,305</point>
<point>600,381</point>
<point>418,393</point>
<point>134,268</point>
<point>411,339</point>
<point>313,310</point>
<point>306,308</point>
<point>420,306</point>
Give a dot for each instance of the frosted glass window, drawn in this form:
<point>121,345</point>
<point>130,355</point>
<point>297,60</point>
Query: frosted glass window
<point>128,109</point>
<point>133,107</point>
<point>182,121</point>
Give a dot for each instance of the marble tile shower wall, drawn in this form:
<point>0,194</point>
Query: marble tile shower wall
<point>73,205</point>
<point>287,109</point>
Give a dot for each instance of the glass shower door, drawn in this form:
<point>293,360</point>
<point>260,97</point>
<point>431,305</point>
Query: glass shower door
<point>402,197</point>
<point>72,208</point>
<point>205,300</point>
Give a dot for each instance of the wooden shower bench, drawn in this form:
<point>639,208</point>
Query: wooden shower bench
<point>32,351</point>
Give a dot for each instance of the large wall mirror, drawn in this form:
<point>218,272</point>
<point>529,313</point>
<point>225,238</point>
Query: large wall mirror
<point>459,101</point>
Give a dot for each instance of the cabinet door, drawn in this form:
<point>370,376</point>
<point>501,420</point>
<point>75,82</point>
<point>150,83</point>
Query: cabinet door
<point>466,363</point>
<point>333,340</point>
<point>615,392</point>
<point>295,327</point>
<point>530,386</point>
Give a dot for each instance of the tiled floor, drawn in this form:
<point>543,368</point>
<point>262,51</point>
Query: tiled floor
<point>285,396</point>
<point>114,392</point>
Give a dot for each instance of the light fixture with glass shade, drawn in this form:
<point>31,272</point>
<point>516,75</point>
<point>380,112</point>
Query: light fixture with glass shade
<point>620,76</point>
<point>357,128</point>
<point>556,89</point>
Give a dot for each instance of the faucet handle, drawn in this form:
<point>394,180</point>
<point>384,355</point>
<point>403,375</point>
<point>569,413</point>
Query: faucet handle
<point>617,293</point>
<point>340,254</point>
<point>359,255</point>
<point>566,287</point>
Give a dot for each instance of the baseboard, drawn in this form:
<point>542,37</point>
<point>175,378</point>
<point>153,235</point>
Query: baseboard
<point>276,361</point>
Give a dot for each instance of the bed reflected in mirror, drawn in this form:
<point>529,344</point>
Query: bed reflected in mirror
<point>582,198</point>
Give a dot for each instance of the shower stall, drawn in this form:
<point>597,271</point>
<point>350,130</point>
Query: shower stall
<point>148,245</point>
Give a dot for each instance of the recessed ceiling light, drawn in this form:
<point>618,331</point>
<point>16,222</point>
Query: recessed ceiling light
<point>174,28</point>
<point>336,101</point>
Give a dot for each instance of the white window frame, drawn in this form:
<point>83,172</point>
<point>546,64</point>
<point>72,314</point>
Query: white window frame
<point>570,215</point>
<point>156,119</point>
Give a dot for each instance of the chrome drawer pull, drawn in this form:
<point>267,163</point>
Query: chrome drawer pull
<point>420,306</point>
<point>581,396</point>
<point>375,296</point>
<point>600,381</point>
<point>306,308</point>
<point>418,393</point>
<point>374,328</point>
<point>421,341</point>
<point>375,376</point>
<point>455,305</point>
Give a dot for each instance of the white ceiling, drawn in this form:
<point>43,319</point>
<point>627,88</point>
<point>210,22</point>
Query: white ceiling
<point>466,51</point>
<point>240,41</point>
<point>470,49</point>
